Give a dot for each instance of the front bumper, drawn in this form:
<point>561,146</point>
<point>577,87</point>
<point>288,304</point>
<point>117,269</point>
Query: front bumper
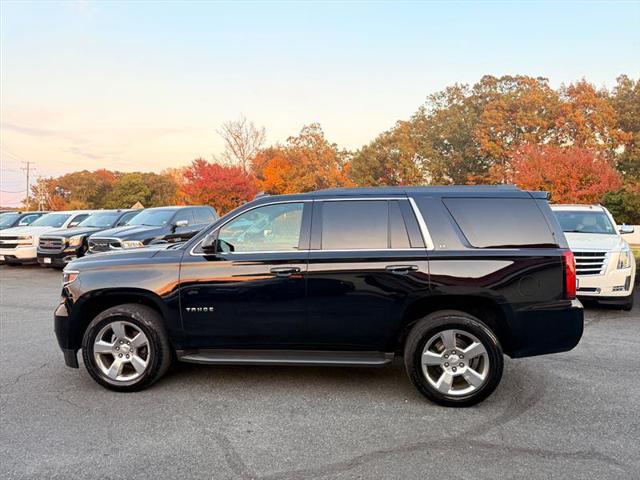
<point>25,254</point>
<point>616,283</point>
<point>58,259</point>
<point>62,329</point>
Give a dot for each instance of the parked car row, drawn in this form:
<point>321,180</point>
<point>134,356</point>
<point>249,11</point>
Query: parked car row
<point>56,238</point>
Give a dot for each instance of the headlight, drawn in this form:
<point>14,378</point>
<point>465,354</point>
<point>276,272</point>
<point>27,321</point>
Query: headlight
<point>69,276</point>
<point>76,240</point>
<point>624,260</point>
<point>132,244</point>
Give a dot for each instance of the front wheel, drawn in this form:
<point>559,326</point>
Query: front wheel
<point>453,359</point>
<point>126,348</point>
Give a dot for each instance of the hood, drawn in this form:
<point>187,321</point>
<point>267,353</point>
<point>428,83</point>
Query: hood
<point>35,232</point>
<point>130,255</point>
<point>133,232</point>
<point>71,232</point>
<point>595,241</point>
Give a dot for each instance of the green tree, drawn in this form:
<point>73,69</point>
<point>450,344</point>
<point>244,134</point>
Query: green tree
<point>626,102</point>
<point>391,159</point>
<point>624,204</point>
<point>128,189</point>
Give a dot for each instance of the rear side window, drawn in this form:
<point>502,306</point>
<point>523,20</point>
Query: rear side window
<point>500,222</point>
<point>355,224</point>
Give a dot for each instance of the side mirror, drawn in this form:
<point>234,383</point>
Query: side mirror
<point>211,244</point>
<point>181,223</point>
<point>626,229</point>
<point>73,224</point>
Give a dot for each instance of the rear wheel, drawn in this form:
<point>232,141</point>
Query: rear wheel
<point>126,347</point>
<point>453,359</point>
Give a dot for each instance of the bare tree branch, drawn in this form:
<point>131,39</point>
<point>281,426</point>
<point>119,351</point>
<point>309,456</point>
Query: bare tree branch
<point>242,141</point>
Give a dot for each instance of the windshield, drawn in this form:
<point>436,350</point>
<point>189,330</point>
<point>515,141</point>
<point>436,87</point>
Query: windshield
<point>102,219</point>
<point>7,219</point>
<point>51,220</point>
<point>152,218</point>
<point>574,221</point>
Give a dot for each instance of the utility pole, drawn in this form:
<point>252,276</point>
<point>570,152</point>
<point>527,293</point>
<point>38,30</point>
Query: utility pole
<point>27,168</point>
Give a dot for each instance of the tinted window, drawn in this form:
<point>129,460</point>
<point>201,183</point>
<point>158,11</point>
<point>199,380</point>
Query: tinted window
<point>127,217</point>
<point>269,228</point>
<point>397,228</point>
<point>7,219</point>
<point>79,218</point>
<point>154,218</point>
<point>51,220</point>
<point>28,219</point>
<point>584,222</point>
<point>100,219</point>
<point>355,224</point>
<point>203,215</point>
<point>493,222</point>
<point>184,214</point>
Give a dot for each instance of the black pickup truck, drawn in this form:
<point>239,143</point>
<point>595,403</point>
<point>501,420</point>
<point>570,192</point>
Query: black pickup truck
<point>58,247</point>
<point>449,278</point>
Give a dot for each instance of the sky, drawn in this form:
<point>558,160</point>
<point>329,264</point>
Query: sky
<point>145,85</point>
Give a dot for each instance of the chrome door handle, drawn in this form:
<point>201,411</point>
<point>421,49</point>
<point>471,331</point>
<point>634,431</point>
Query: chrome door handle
<point>401,269</point>
<point>284,271</point>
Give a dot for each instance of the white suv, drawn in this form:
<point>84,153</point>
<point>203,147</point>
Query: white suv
<point>20,244</point>
<point>605,265</point>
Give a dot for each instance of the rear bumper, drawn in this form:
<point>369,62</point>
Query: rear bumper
<point>552,330</point>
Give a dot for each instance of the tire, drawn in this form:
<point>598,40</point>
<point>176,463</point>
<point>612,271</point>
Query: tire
<point>113,334</point>
<point>628,304</point>
<point>483,364</point>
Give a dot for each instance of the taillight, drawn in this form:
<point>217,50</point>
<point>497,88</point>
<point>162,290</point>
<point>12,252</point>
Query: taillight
<point>570,280</point>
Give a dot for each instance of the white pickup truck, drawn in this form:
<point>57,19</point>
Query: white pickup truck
<point>20,244</point>
<point>605,265</point>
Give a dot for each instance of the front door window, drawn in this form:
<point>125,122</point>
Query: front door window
<point>272,228</point>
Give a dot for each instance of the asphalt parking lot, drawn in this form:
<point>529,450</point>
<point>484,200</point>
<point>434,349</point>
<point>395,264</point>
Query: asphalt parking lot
<point>572,415</point>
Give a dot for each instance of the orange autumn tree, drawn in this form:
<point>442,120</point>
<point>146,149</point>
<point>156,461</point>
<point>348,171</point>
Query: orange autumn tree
<point>571,175</point>
<point>306,162</point>
<point>223,186</point>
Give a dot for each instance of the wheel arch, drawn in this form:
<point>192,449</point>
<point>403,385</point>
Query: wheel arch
<point>89,305</point>
<point>487,310</point>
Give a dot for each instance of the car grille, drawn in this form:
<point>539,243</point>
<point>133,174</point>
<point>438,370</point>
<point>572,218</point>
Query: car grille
<point>13,242</point>
<point>51,244</point>
<point>590,263</point>
<point>104,244</point>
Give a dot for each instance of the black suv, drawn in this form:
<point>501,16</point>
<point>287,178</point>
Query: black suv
<point>153,226</point>
<point>59,247</point>
<point>449,278</point>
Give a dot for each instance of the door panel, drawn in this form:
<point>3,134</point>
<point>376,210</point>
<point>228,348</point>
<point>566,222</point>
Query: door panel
<point>244,303</point>
<point>355,301</point>
<point>252,295</point>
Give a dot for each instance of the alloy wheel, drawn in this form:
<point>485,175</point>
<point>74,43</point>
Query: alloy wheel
<point>455,362</point>
<point>121,351</point>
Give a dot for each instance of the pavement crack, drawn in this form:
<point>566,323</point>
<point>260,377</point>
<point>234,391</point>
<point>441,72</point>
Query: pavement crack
<point>231,455</point>
<point>24,374</point>
<point>350,464</point>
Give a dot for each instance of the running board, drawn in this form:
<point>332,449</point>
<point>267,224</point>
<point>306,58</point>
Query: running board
<point>285,357</point>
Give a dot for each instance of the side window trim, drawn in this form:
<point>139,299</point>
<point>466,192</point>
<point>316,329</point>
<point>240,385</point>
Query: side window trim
<point>426,236</point>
